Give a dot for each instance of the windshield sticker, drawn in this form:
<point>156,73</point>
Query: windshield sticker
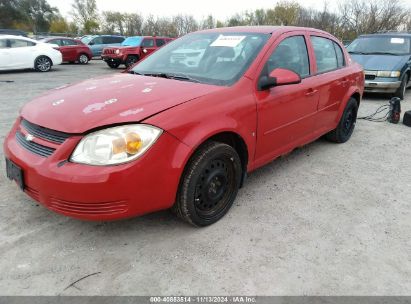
<point>229,41</point>
<point>397,40</point>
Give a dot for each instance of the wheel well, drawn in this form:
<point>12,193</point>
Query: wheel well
<point>357,97</point>
<point>234,140</point>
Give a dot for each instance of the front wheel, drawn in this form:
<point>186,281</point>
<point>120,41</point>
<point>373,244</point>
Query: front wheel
<point>43,64</point>
<point>346,126</point>
<point>401,90</point>
<point>113,64</point>
<point>209,184</point>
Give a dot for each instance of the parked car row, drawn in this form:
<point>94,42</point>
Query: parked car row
<point>385,57</point>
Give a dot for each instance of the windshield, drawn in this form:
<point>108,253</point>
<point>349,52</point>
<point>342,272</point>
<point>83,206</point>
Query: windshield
<point>380,45</point>
<point>86,39</point>
<point>212,58</point>
<point>132,41</point>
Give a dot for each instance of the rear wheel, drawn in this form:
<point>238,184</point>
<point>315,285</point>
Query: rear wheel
<point>83,59</point>
<point>346,126</point>
<point>131,60</point>
<point>43,64</point>
<point>209,184</point>
<point>403,87</point>
<point>113,64</point>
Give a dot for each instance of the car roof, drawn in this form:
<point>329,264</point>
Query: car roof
<point>262,29</point>
<point>17,37</point>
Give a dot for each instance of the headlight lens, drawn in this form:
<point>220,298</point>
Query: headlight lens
<point>393,74</point>
<point>115,145</point>
<point>117,51</point>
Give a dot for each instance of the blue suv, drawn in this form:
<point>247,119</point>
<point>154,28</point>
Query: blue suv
<point>98,42</point>
<point>386,59</point>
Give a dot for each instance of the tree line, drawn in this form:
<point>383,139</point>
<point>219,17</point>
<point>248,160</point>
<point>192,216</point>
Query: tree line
<point>353,17</point>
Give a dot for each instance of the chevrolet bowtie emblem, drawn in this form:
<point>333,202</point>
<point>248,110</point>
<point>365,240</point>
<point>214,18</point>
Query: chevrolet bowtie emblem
<point>29,137</point>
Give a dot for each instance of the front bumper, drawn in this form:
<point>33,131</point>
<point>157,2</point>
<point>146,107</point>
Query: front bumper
<point>113,58</point>
<point>378,86</point>
<point>101,193</point>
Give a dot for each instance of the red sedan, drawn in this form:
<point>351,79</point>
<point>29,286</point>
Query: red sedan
<point>72,50</point>
<point>184,135</point>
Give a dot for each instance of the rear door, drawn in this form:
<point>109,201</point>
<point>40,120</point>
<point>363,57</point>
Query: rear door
<point>331,76</point>
<point>21,52</point>
<point>286,113</point>
<point>148,47</point>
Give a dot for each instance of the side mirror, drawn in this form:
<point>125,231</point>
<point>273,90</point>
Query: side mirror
<point>91,43</point>
<point>278,77</point>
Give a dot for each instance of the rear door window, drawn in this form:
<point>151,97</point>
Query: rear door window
<point>68,42</point>
<point>325,54</point>
<point>98,40</point>
<point>17,43</point>
<point>148,43</point>
<point>3,43</point>
<point>160,42</point>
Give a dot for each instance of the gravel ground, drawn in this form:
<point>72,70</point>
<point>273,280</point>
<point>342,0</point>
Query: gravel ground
<point>327,219</point>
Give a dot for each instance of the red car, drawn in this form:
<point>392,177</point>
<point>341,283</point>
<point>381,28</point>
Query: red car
<point>73,50</point>
<point>184,136</point>
<point>132,50</point>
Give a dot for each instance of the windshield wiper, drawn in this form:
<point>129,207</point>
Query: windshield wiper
<point>384,53</point>
<point>359,53</point>
<point>171,76</point>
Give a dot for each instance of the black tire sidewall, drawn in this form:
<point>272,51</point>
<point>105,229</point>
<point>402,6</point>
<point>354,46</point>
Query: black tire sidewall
<point>401,90</point>
<point>341,136</point>
<point>193,173</point>
<point>128,64</point>
<point>113,65</point>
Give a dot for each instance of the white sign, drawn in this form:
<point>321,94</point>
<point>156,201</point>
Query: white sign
<point>230,41</point>
<point>397,40</point>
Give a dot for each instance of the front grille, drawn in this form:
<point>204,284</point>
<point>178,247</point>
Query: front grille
<point>44,133</point>
<point>105,208</point>
<point>108,51</point>
<point>33,147</point>
<point>369,77</point>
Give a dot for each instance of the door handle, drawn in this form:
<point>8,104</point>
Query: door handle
<point>311,92</point>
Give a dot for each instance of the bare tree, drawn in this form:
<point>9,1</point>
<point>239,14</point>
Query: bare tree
<point>86,16</point>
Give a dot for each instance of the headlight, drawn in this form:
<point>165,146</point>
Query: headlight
<point>393,74</point>
<point>115,145</point>
<point>117,51</point>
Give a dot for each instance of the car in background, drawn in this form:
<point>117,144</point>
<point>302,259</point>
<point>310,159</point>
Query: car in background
<point>73,50</point>
<point>18,52</point>
<point>132,50</point>
<point>98,42</point>
<point>13,32</point>
<point>191,55</point>
<point>386,59</point>
<point>184,137</point>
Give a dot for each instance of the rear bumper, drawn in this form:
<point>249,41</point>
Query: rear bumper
<point>381,86</point>
<point>101,193</point>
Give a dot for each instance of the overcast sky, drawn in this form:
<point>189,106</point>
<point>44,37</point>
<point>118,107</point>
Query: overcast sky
<point>221,9</point>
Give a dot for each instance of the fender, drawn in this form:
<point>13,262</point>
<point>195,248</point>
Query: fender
<point>353,89</point>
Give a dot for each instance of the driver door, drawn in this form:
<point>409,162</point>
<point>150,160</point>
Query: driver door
<point>147,46</point>
<point>286,114</point>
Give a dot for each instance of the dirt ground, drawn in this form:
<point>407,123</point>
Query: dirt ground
<point>327,219</point>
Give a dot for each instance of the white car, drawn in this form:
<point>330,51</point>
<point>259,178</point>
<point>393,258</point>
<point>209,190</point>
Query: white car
<point>18,52</point>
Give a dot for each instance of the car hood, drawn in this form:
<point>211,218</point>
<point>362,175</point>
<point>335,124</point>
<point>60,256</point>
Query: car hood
<point>380,62</point>
<point>119,98</point>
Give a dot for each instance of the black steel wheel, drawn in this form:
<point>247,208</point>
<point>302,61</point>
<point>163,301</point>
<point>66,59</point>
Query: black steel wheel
<point>346,126</point>
<point>209,185</point>
<point>113,64</point>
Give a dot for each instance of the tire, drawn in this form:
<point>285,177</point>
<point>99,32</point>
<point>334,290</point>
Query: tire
<point>346,126</point>
<point>43,64</point>
<point>131,60</point>
<point>83,59</point>
<point>401,90</point>
<point>113,64</point>
<point>209,184</point>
